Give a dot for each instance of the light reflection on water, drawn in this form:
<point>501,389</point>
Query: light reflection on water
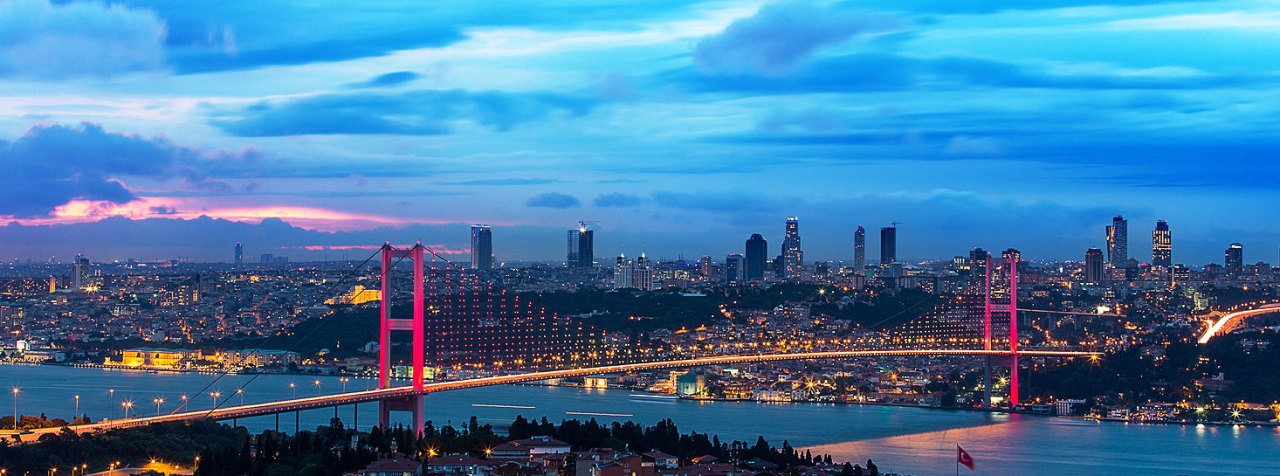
<point>904,440</point>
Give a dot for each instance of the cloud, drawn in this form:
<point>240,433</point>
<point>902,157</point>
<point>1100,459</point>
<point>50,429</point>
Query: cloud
<point>875,71</point>
<point>553,200</point>
<point>46,41</point>
<point>618,200</point>
<point>386,80</point>
<point>220,36</point>
<point>781,33</point>
<point>52,165</point>
<point>424,112</point>
<point>506,181</point>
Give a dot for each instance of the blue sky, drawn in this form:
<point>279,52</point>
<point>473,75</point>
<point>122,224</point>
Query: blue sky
<point>680,127</point>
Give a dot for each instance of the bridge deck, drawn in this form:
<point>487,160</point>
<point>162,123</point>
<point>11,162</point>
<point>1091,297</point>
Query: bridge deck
<point>260,409</point>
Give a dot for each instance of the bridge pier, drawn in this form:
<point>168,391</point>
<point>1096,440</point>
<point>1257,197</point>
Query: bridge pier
<point>411,404</point>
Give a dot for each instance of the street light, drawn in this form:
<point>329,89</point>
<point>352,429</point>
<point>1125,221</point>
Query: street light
<point>111,404</point>
<point>240,392</point>
<point>158,401</point>
<point>344,381</point>
<point>214,396</point>
<point>128,405</point>
<point>317,382</point>
<point>73,417</point>
<point>293,389</point>
<point>15,408</point>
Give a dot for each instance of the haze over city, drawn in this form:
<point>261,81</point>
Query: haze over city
<point>679,127</point>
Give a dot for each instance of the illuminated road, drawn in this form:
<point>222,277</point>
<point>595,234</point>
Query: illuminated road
<point>310,403</point>
<point>1222,322</point>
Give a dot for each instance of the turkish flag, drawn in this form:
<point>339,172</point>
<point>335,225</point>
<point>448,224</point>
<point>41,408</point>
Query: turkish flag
<point>963,457</point>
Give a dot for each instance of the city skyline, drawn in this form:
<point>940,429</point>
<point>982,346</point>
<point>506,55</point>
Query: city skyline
<point>679,129</point>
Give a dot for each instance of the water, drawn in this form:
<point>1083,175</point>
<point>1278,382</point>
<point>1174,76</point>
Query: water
<point>906,440</point>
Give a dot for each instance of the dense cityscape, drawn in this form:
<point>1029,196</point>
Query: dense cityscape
<point>1145,316</point>
<point>638,238</point>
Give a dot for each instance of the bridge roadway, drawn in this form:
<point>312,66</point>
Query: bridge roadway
<point>1218,325</point>
<point>309,403</point>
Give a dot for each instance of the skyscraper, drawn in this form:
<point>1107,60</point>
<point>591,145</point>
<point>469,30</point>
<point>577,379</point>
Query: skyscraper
<point>80,272</point>
<point>888,245</point>
<point>1161,246</point>
<point>1093,265</point>
<point>1118,242</point>
<point>734,268</point>
<point>581,249</point>
<point>757,250</point>
<point>1235,259</point>
<point>860,251</point>
<point>978,269</point>
<point>481,247</point>
<point>792,257</point>
<point>239,253</point>
<point>622,273</point>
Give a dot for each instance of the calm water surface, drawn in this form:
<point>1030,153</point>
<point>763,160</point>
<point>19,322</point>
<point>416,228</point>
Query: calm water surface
<point>906,440</point>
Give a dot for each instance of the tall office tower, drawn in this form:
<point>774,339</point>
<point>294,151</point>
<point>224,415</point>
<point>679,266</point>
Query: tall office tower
<point>1118,242</point>
<point>888,245</point>
<point>1235,259</point>
<point>239,253</point>
<point>978,269</point>
<point>581,247</point>
<point>622,273</point>
<point>80,272</point>
<point>481,247</point>
<point>734,268</point>
<point>642,277</point>
<point>757,249</point>
<point>860,251</point>
<point>1161,246</point>
<point>1093,266</point>
<point>1011,253</point>
<point>792,257</point>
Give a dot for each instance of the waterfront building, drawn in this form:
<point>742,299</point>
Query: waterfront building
<point>757,250</point>
<point>481,247</point>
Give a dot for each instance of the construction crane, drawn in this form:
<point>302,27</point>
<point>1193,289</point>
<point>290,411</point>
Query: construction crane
<point>896,223</point>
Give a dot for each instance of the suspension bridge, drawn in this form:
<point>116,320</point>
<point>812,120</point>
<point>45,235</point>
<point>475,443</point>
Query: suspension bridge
<point>999,299</point>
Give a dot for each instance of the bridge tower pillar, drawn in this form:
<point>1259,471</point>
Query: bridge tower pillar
<point>387,324</point>
<point>1011,308</point>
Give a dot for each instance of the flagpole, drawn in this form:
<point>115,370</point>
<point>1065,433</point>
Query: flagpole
<point>957,460</point>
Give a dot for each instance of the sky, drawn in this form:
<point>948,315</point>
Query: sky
<point>314,130</point>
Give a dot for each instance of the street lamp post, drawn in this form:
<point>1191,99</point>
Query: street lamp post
<point>77,415</point>
<point>111,404</point>
<point>15,408</point>
<point>293,390</point>
<point>317,382</point>
<point>128,405</point>
<point>344,381</point>
<point>158,401</point>
<point>240,392</point>
<point>214,396</point>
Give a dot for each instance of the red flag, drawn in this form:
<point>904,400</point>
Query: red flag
<point>963,457</point>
